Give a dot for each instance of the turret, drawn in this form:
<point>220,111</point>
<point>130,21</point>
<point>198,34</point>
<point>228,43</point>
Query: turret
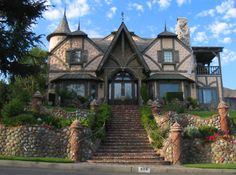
<point>59,34</point>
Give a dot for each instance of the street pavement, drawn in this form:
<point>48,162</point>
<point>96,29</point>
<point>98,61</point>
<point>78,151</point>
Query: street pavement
<point>39,168</point>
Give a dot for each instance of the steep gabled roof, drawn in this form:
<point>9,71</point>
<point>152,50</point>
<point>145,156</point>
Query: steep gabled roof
<point>131,42</point>
<point>166,34</point>
<point>62,28</point>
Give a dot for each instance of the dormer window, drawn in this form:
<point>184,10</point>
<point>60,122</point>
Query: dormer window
<point>76,56</point>
<point>168,56</point>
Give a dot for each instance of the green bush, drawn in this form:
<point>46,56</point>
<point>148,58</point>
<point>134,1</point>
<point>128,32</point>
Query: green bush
<point>151,127</point>
<point>193,103</point>
<point>206,130</point>
<point>21,119</point>
<point>144,93</point>
<point>12,108</point>
<point>170,96</point>
<point>175,105</point>
<point>3,94</point>
<point>191,132</point>
<point>102,116</point>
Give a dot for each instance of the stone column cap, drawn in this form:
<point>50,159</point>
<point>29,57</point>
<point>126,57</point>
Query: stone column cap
<point>222,104</point>
<point>176,127</point>
<point>94,102</point>
<point>37,94</point>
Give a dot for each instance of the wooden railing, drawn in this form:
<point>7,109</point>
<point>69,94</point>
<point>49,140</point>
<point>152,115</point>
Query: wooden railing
<point>208,70</point>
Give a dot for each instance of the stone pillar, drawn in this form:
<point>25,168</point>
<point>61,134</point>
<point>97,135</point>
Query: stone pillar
<point>223,112</point>
<point>75,136</point>
<point>176,138</point>
<point>37,102</point>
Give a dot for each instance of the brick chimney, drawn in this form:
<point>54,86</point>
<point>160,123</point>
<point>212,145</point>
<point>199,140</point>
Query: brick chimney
<point>182,30</point>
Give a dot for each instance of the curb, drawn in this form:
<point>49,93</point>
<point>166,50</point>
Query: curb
<point>92,167</point>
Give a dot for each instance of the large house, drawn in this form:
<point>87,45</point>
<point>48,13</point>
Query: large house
<point>114,68</point>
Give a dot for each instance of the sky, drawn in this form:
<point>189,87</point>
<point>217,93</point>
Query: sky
<point>211,22</point>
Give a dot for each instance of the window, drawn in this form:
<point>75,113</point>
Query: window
<point>207,95</point>
<point>76,56</point>
<point>168,57</point>
<point>79,88</point>
<point>168,87</point>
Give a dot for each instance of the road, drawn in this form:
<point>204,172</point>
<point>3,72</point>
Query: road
<point>37,171</point>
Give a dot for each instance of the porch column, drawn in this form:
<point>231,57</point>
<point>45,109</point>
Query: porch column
<point>106,88</point>
<point>221,89</point>
<point>139,92</point>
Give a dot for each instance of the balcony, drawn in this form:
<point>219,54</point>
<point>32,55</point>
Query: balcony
<point>208,70</point>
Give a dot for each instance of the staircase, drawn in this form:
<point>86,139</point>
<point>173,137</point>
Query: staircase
<point>126,140</point>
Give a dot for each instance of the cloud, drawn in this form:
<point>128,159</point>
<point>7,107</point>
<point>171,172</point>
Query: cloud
<point>227,40</point>
<point>149,4</point>
<point>108,2</point>
<point>136,6</point>
<point>218,28</point>
<point>181,2</point>
<point>228,56</point>
<point>77,8</point>
<point>193,29</point>
<point>210,12</point>
<point>111,12</point>
<point>226,10</point>
<point>200,37</point>
<point>164,3</point>
<point>53,13</point>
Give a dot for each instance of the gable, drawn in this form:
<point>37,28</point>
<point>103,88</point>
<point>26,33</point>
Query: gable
<point>122,52</point>
<point>58,60</point>
<point>183,55</point>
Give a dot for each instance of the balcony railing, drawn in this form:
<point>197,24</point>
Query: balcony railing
<point>208,70</point>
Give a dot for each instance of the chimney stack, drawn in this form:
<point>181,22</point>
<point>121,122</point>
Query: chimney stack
<point>182,30</point>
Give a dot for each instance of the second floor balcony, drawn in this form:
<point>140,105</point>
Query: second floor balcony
<point>208,70</point>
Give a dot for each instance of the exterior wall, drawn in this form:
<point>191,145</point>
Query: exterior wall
<point>54,41</point>
<point>58,63</point>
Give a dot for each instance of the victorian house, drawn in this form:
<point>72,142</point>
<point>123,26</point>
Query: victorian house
<point>114,68</point>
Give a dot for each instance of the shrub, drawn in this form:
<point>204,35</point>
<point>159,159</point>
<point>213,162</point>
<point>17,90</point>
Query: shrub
<point>170,96</point>
<point>175,105</point>
<point>102,116</point>
<point>12,108</point>
<point>21,119</point>
<point>193,103</point>
<point>144,93</point>
<point>207,131</point>
<point>3,94</point>
<point>151,127</point>
<point>191,132</point>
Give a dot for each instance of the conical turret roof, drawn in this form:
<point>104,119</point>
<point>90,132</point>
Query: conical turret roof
<point>62,28</point>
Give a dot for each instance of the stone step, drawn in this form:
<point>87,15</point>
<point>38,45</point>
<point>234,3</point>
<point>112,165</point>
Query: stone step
<point>129,161</point>
<point>126,147</point>
<point>134,150</point>
<point>129,157</point>
<point>142,154</point>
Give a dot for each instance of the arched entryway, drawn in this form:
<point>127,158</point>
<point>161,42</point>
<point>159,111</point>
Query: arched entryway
<point>123,89</point>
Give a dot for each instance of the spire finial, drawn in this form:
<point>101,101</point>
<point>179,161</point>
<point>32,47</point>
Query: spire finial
<point>79,25</point>
<point>122,16</point>
<point>165,29</point>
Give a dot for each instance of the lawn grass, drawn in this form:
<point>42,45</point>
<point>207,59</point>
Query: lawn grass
<point>203,114</point>
<point>212,166</point>
<point>37,159</point>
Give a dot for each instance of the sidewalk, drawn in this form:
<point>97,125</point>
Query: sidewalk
<point>114,168</point>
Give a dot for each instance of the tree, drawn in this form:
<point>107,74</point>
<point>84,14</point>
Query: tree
<point>16,35</point>
<point>28,85</point>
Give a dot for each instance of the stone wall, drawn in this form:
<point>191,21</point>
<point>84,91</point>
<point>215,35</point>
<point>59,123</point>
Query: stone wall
<point>43,141</point>
<point>200,151</point>
<point>186,120</point>
<point>34,141</point>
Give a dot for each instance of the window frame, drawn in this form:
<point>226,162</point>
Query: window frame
<point>72,52</point>
<point>171,56</point>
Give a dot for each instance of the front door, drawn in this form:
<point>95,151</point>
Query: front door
<point>123,89</point>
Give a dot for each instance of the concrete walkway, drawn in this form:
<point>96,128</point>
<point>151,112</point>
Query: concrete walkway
<point>115,168</point>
